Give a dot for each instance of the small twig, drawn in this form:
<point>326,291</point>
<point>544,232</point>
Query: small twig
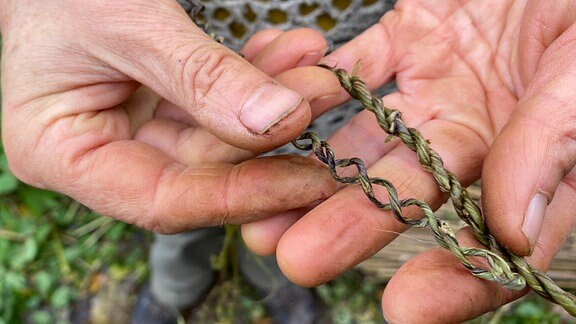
<point>64,266</point>
<point>12,236</point>
<point>91,226</point>
<point>99,232</point>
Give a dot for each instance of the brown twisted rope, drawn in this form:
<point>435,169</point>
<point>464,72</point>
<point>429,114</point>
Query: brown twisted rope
<point>497,257</point>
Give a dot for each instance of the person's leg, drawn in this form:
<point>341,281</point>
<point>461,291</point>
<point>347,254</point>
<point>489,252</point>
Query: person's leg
<point>284,301</point>
<point>261,272</point>
<point>181,274</point>
<point>180,265</point>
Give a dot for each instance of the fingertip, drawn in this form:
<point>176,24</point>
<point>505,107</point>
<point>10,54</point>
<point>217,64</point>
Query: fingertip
<point>262,237</point>
<point>534,218</point>
<point>504,224</point>
<point>525,165</point>
<point>286,129</point>
<point>515,171</point>
<point>434,287</point>
<point>411,294</point>
<point>317,85</point>
<point>324,243</point>
<point>297,263</point>
<point>270,116</point>
<point>294,48</point>
<point>258,42</point>
<point>267,104</point>
<point>377,65</point>
<point>257,240</point>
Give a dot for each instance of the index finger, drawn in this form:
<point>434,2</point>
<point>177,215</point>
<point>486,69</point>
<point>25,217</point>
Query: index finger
<point>139,184</point>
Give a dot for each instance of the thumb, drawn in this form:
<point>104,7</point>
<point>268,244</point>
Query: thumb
<point>159,46</point>
<point>527,162</point>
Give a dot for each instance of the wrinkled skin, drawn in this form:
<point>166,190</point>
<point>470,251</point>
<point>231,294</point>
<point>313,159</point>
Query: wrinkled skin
<point>131,109</point>
<point>491,85</point>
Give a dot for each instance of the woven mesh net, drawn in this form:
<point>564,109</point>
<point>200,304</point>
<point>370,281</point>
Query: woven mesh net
<point>338,20</point>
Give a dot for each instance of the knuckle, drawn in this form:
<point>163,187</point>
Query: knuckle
<point>204,73</point>
<point>41,158</point>
<point>549,113</point>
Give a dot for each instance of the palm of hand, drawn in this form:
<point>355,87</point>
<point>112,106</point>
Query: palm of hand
<point>453,64</point>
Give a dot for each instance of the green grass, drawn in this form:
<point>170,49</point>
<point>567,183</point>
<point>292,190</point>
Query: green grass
<point>52,249</point>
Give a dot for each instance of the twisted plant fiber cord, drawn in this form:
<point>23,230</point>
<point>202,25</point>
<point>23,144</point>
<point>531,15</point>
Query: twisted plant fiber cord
<point>391,122</point>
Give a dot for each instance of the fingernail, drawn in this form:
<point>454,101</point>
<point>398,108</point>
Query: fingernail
<point>329,61</point>
<point>267,105</point>
<point>311,58</point>
<point>533,219</point>
<point>330,96</point>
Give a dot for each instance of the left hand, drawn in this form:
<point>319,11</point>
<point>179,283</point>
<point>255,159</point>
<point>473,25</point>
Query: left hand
<point>129,108</point>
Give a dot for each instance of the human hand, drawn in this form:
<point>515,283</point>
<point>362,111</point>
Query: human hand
<point>489,84</point>
<point>166,156</point>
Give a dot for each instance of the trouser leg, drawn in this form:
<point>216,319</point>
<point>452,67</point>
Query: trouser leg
<point>182,273</point>
<point>181,269</point>
<point>285,302</point>
<point>262,273</point>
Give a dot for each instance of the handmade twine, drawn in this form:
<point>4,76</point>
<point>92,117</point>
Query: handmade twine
<point>503,267</point>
